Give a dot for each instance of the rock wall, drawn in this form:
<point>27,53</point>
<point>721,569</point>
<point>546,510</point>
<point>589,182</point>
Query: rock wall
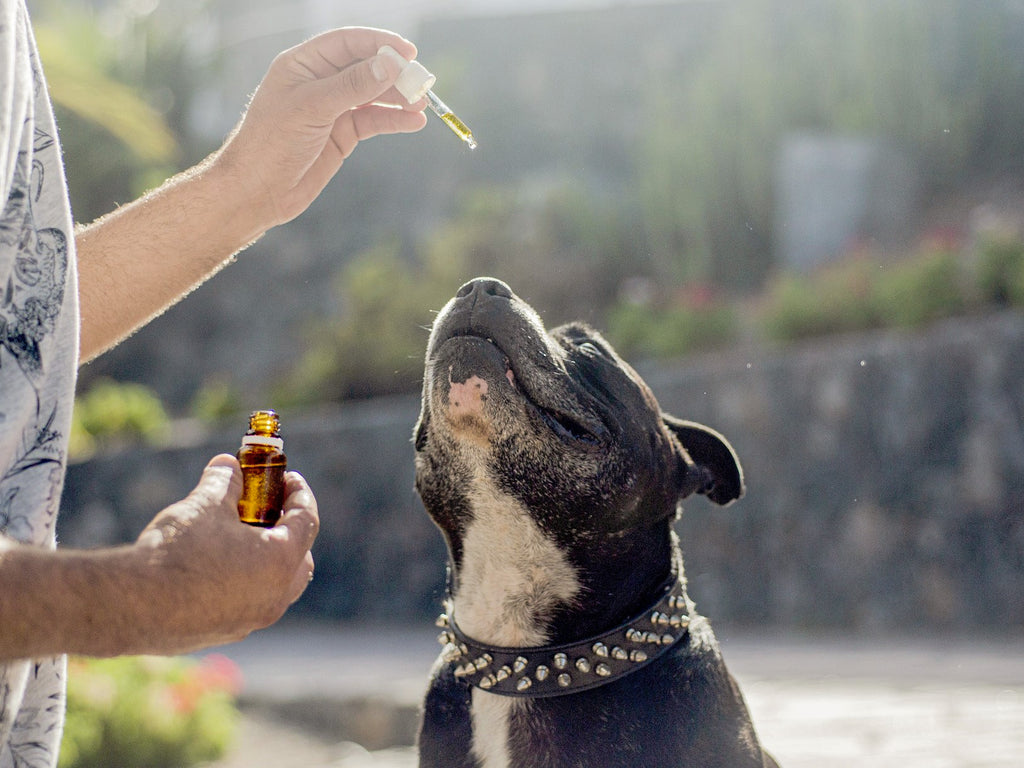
<point>885,487</point>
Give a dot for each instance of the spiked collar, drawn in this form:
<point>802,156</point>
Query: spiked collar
<point>557,670</point>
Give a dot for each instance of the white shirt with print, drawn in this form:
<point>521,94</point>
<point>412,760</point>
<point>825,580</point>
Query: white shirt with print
<point>38,363</point>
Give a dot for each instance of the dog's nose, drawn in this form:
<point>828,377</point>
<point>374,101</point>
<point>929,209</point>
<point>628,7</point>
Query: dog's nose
<point>484,286</point>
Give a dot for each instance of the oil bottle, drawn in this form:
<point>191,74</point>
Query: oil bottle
<point>263,465</point>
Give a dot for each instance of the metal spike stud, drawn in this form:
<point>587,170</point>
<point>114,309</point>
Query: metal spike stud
<point>667,639</point>
<point>583,664</point>
<point>637,656</point>
<point>488,682</point>
<point>603,670</point>
<point>519,664</point>
<point>600,649</point>
<point>442,620</point>
<point>541,673</point>
<point>619,653</point>
<point>561,660</point>
<point>503,673</point>
<point>523,683</point>
<point>564,680</point>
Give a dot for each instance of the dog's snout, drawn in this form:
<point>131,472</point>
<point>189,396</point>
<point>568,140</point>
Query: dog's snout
<point>484,286</point>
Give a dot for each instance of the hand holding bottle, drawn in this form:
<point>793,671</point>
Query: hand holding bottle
<point>217,580</point>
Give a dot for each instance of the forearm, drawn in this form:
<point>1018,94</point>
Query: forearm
<point>143,257</point>
<point>78,602</point>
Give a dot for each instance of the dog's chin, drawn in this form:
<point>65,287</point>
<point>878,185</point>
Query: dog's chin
<point>460,357</point>
<point>471,384</point>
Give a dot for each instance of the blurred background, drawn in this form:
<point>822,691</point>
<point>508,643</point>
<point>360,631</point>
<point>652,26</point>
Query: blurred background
<point>801,220</point>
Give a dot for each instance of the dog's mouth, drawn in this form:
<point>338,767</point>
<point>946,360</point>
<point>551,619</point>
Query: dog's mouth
<point>543,387</point>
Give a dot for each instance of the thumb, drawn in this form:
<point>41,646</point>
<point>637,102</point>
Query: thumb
<point>359,83</point>
<point>221,481</point>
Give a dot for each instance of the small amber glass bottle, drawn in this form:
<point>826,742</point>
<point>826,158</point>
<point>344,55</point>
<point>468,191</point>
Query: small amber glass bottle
<point>263,464</point>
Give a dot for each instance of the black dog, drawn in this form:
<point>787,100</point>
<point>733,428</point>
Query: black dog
<point>569,637</point>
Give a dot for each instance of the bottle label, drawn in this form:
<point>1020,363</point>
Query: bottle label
<point>273,442</point>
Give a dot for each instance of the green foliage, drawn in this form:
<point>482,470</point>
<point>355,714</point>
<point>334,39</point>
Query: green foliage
<point>148,712</point>
<point>1001,271</point>
<point>922,289</point>
<point>216,400</point>
<point>112,413</point>
<point>376,346</point>
<point>835,300</point>
<point>859,294</point>
<point>691,323</point>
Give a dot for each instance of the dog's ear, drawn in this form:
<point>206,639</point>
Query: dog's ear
<point>712,467</point>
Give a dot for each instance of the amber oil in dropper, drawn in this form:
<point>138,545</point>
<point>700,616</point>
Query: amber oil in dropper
<point>263,465</point>
<point>443,111</point>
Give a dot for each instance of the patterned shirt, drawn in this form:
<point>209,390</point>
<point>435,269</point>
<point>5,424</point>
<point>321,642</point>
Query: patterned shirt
<point>38,362</point>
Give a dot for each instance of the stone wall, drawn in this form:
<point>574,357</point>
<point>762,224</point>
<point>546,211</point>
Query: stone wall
<point>885,478</point>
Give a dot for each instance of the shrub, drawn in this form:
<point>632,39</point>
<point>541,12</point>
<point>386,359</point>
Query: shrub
<point>860,294</point>
<point>1001,270</point>
<point>112,412</point>
<point>148,712</point>
<point>690,325</point>
<point>920,290</point>
<point>835,300</point>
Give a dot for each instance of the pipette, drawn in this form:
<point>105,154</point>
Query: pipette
<point>415,82</point>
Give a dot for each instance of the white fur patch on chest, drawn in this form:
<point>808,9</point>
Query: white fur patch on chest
<point>512,578</point>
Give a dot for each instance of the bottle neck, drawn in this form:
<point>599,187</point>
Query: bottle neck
<point>273,442</point>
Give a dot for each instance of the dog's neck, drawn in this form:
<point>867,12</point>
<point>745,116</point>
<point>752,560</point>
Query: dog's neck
<point>515,586</point>
<point>512,578</point>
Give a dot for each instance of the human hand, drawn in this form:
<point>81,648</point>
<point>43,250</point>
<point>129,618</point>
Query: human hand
<point>214,579</point>
<point>315,103</point>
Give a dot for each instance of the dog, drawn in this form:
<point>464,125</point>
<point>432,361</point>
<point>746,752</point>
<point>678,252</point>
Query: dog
<point>569,638</point>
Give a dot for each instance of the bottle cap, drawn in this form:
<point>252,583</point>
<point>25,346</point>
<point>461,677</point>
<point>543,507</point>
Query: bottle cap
<point>414,81</point>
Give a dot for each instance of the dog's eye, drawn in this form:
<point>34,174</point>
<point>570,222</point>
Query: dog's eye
<point>568,430</point>
<point>590,348</point>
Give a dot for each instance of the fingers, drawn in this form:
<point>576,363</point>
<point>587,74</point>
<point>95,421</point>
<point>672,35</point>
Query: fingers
<point>375,121</point>
<point>300,580</point>
<point>300,519</point>
<point>359,84</point>
<point>345,70</point>
<point>299,524</point>
<point>334,50</point>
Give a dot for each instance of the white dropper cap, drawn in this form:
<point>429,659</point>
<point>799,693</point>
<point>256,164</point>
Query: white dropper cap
<point>414,81</point>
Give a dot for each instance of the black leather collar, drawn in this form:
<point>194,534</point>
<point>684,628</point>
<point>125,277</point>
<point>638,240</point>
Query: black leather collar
<point>557,670</point>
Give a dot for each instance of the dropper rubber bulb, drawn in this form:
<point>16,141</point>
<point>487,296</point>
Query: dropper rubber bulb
<point>414,83</point>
